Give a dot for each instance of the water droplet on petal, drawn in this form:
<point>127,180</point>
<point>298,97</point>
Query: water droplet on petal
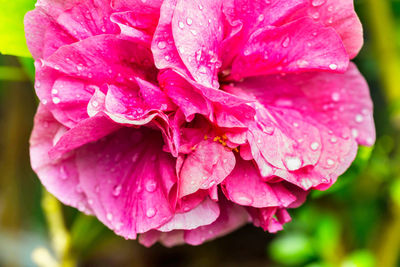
<point>306,183</point>
<point>317,3</point>
<point>286,42</point>
<point>335,96</point>
<point>266,170</point>
<point>151,186</point>
<point>162,44</point>
<point>56,100</point>
<point>181,24</point>
<point>242,199</point>
<point>63,173</point>
<point>314,146</point>
<point>330,162</point>
<point>292,163</point>
<point>109,216</point>
<point>359,118</point>
<point>151,212</point>
<point>354,132</point>
<point>189,21</point>
<point>333,66</point>
<point>117,190</point>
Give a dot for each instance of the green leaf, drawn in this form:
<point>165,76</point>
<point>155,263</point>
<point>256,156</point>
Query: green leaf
<point>12,34</point>
<point>293,249</point>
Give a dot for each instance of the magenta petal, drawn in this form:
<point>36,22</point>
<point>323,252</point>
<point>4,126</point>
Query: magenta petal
<point>232,217</point>
<point>60,177</point>
<point>340,15</point>
<point>91,129</point>
<point>245,187</point>
<point>208,165</point>
<point>197,29</point>
<point>128,186</point>
<point>297,46</point>
<point>204,214</point>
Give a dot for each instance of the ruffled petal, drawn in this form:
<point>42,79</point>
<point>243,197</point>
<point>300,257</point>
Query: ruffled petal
<point>293,47</point>
<point>128,186</point>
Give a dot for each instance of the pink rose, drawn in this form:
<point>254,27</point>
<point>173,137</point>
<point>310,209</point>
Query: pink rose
<point>183,120</point>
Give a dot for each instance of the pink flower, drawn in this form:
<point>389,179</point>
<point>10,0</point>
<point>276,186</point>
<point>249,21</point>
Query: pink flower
<point>183,120</point>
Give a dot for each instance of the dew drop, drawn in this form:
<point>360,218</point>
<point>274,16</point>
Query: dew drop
<point>335,96</point>
<point>302,63</point>
<point>151,186</point>
<point>359,118</point>
<point>189,21</point>
<point>317,3</point>
<point>314,146</point>
<point>109,216</point>
<point>330,162</point>
<point>151,212</point>
<point>242,199</point>
<point>260,17</point>
<point>292,163</point>
<point>306,183</point>
<point>266,170</point>
<point>56,100</point>
<point>286,42</point>
<point>161,45</point>
<point>181,24</point>
<point>117,190</point>
<point>354,132</point>
<point>333,66</point>
<point>63,173</point>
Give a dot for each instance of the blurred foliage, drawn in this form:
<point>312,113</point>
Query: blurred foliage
<point>356,223</point>
<point>12,35</point>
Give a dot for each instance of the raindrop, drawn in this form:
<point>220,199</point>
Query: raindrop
<point>286,42</point>
<point>333,66</point>
<point>302,63</point>
<point>151,186</point>
<point>242,199</point>
<point>266,170</point>
<point>359,118</point>
<point>117,190</point>
<point>63,173</point>
<point>181,24</point>
<point>292,163</point>
<point>56,100</point>
<point>315,15</point>
<point>151,212</point>
<point>317,3</point>
<point>330,162</point>
<point>161,45</point>
<point>354,132</point>
<point>314,146</point>
<point>335,96</point>
<point>306,183</point>
<point>189,21</point>
<point>109,216</point>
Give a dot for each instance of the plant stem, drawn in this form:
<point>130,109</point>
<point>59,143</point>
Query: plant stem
<point>383,37</point>
<point>382,26</point>
<point>8,73</point>
<point>59,235</point>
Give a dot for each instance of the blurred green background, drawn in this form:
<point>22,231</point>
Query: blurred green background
<point>354,223</point>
